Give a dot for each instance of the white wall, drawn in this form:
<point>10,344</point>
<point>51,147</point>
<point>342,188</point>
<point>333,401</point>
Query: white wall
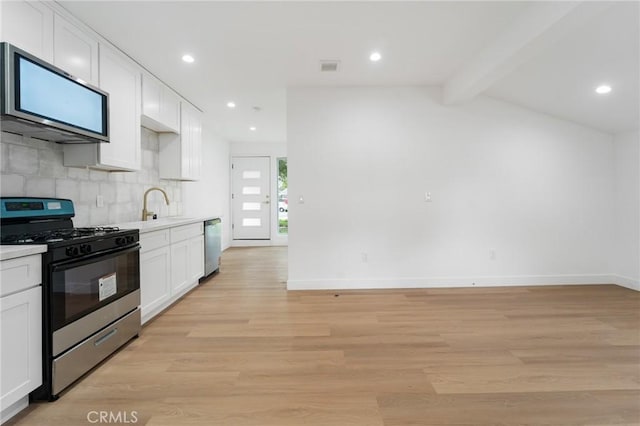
<point>273,150</point>
<point>536,190</point>
<point>210,195</point>
<point>626,251</point>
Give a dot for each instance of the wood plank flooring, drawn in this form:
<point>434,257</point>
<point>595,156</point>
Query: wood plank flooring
<point>242,351</point>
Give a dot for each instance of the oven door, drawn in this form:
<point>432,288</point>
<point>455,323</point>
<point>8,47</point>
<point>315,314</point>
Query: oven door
<point>80,287</point>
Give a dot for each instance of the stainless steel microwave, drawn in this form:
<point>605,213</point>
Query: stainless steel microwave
<point>44,102</point>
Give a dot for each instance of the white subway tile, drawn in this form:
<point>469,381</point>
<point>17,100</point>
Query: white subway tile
<point>23,160</point>
<point>12,185</point>
<point>40,187</point>
<point>50,164</point>
<point>78,173</point>
<point>88,192</point>
<point>82,215</point>
<point>98,216</point>
<point>99,175</point>
<point>108,191</point>
<point>67,188</point>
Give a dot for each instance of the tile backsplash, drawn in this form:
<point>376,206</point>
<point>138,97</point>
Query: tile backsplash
<point>34,168</point>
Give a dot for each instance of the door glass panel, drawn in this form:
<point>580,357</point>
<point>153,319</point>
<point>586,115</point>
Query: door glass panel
<point>251,221</point>
<point>250,190</point>
<point>251,174</point>
<point>251,206</point>
<point>283,197</point>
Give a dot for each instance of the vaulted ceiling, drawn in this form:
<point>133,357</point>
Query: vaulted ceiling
<point>547,56</point>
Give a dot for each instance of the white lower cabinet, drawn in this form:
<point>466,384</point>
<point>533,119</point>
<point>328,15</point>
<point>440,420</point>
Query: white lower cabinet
<point>20,333</point>
<point>196,258</point>
<point>155,282</point>
<point>171,263</point>
<point>179,266</point>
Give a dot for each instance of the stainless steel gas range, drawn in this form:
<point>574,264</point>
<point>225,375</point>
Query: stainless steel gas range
<point>90,286</point>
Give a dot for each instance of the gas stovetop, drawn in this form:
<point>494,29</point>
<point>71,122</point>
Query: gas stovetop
<point>27,220</point>
<point>57,235</point>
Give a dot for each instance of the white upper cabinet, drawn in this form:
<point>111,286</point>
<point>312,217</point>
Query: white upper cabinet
<point>160,106</point>
<point>180,155</point>
<point>29,26</point>
<point>75,51</point>
<point>121,79</point>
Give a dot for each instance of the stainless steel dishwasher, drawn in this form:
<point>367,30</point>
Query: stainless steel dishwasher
<point>212,245</point>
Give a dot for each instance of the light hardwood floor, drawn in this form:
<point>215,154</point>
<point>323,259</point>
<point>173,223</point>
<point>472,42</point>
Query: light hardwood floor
<point>241,350</point>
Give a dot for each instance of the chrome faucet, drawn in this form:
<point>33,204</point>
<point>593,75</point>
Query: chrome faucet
<point>145,212</point>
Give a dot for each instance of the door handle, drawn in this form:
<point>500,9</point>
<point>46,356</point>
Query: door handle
<point>105,337</point>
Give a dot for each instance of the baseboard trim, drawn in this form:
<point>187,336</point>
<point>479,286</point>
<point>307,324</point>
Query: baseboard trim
<point>258,243</point>
<point>626,282</point>
<point>250,243</point>
<point>446,282</point>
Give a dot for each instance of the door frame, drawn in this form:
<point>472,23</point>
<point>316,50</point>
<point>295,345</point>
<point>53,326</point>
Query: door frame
<point>275,238</point>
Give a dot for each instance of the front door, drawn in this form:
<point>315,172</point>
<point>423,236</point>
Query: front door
<point>250,197</point>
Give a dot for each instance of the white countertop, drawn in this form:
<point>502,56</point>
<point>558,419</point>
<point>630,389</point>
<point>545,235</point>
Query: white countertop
<point>162,223</point>
<point>11,252</point>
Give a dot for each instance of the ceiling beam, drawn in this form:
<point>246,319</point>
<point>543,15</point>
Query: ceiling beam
<point>541,24</point>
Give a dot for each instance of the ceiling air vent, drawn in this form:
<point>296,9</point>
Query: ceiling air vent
<point>329,66</point>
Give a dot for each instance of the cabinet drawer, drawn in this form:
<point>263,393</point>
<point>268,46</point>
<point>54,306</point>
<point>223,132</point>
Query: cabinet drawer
<point>153,240</point>
<point>20,273</point>
<point>181,233</point>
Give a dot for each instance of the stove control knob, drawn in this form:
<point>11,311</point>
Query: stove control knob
<point>130,239</point>
<point>72,251</point>
<point>121,241</point>
<point>85,248</point>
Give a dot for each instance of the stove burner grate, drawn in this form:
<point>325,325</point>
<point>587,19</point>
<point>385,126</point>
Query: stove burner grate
<point>57,235</point>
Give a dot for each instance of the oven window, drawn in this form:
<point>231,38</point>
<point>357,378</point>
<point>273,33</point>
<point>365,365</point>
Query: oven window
<point>79,290</point>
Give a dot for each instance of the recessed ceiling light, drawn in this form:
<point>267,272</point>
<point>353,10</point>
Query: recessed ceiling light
<point>603,89</point>
<point>231,104</point>
<point>188,59</point>
<point>375,56</point>
<point>252,128</point>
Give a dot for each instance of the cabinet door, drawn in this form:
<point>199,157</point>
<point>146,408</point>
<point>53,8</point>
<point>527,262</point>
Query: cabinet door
<point>191,142</point>
<point>196,258</point>
<point>196,145</point>
<point>180,154</point>
<point>29,26</point>
<point>151,99</point>
<point>74,51</point>
<point>155,280</point>
<point>21,349</point>
<point>121,80</point>
<point>180,277</point>
<point>160,106</point>
<point>170,109</point>
<point>186,129</point>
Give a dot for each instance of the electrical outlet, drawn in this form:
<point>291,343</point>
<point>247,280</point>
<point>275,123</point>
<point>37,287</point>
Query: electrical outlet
<point>99,201</point>
<point>427,197</point>
<point>365,258</point>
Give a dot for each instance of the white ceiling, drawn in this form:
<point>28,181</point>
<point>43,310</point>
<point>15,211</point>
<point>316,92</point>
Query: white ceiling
<point>250,52</point>
<point>560,80</point>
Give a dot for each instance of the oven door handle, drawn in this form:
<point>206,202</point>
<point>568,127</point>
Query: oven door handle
<point>74,263</point>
